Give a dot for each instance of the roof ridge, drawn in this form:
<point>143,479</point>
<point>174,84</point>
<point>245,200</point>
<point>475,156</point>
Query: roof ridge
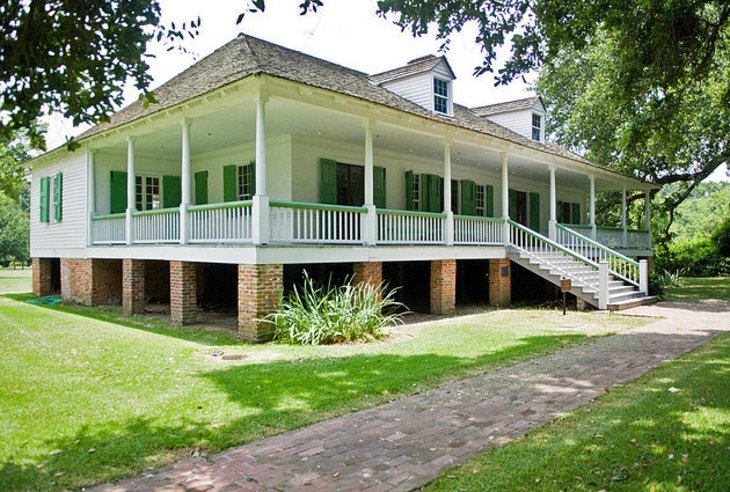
<point>528,98</point>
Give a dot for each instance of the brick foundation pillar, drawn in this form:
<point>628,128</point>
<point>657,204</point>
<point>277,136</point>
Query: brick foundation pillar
<point>133,294</point>
<point>500,282</point>
<point>443,286</point>
<point>77,280</point>
<point>41,276</point>
<point>183,292</point>
<point>368,272</point>
<point>259,290</point>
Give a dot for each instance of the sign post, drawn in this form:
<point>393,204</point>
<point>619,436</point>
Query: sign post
<point>565,286</point>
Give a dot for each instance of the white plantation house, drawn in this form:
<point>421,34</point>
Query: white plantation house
<point>259,159</point>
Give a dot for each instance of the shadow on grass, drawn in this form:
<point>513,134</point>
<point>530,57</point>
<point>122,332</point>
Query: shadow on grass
<point>113,314</point>
<point>640,437</point>
<point>269,397</point>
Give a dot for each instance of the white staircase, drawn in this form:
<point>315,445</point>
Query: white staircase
<point>600,276</point>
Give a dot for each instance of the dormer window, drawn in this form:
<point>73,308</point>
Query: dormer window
<point>440,96</point>
<point>537,127</point>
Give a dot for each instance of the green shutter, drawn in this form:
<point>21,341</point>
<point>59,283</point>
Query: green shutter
<point>409,191</point>
<point>513,204</point>
<point>328,181</point>
<point>489,197</point>
<point>434,192</point>
<point>575,214</point>
<point>535,211</point>
<point>230,194</point>
<point>468,197</point>
<point>58,197</point>
<point>252,185</point>
<point>171,191</point>
<point>44,199</point>
<point>201,188</point>
<point>379,186</point>
<point>424,204</point>
<point>118,192</point>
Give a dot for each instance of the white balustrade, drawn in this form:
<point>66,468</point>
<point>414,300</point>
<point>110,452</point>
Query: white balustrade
<point>636,239</point>
<point>619,265</point>
<point>108,229</point>
<point>220,223</point>
<point>157,226</point>
<point>478,230</point>
<point>292,222</point>
<point>405,227</point>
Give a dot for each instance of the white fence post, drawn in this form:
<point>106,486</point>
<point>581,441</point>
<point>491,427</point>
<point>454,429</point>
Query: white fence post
<point>603,285</point>
<point>370,226</point>
<point>644,277</point>
<point>449,229</point>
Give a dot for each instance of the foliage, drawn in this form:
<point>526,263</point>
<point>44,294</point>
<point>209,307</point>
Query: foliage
<point>703,256</point>
<point>74,58</point>
<point>645,435</point>
<point>317,315</point>
<point>703,211</point>
<point>14,231</point>
<point>141,398</point>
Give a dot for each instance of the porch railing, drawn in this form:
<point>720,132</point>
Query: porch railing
<point>619,265</point>
<point>613,236</point>
<point>478,230</point>
<point>108,229</point>
<point>410,227</point>
<point>295,222</point>
<point>157,226</point>
<point>228,222</point>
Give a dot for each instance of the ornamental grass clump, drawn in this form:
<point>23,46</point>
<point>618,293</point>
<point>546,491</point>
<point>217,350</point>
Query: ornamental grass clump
<point>319,315</point>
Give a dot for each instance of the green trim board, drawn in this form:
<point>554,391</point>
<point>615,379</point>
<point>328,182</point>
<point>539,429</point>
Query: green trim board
<point>317,206</point>
<point>220,206</point>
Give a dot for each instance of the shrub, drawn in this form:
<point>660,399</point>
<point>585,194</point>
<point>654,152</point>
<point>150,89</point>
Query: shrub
<point>318,315</point>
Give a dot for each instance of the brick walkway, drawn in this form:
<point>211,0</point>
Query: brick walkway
<point>409,442</point>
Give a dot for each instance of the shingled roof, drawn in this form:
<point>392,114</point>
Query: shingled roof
<point>506,106</point>
<point>246,56</point>
<point>416,66</point>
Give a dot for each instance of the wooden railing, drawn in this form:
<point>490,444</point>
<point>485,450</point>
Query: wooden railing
<point>108,229</point>
<point>228,222</point>
<point>618,265</point>
<point>295,222</point>
<point>157,226</point>
<point>478,230</point>
<point>410,227</point>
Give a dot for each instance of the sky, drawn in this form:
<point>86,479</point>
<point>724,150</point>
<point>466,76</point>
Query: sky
<point>347,32</point>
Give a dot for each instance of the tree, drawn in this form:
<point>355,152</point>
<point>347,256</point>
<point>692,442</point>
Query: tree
<point>74,58</point>
<point>14,231</point>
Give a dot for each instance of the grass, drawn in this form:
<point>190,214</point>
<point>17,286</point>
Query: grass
<point>699,289</point>
<point>14,280</point>
<point>85,399</point>
<point>640,437</point>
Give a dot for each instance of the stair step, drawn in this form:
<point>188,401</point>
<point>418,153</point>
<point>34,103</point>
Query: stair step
<point>631,303</point>
<point>624,296</point>
<point>620,289</point>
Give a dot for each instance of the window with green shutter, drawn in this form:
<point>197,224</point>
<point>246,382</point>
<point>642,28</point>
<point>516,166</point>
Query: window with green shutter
<point>379,188</point>
<point>328,181</point>
<point>43,214</point>
<point>58,197</point>
<point>171,191</point>
<point>468,197</point>
<point>535,211</point>
<point>575,213</point>
<point>201,188</point>
<point>490,201</point>
<point>118,192</point>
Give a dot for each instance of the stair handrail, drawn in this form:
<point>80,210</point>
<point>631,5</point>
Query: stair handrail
<point>619,265</point>
<point>539,238</point>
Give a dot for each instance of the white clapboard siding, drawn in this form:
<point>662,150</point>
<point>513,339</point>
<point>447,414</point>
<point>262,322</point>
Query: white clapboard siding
<point>517,121</point>
<point>417,88</point>
<point>65,237</point>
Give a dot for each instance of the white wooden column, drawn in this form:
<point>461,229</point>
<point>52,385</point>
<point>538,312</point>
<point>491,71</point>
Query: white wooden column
<point>370,218</point>
<point>552,231</point>
<point>260,206</point>
<point>185,191</point>
<point>624,231</point>
<point>91,195</point>
<point>449,229</point>
<point>593,207</point>
<point>505,196</point>
<point>647,215</point>
<point>131,188</point>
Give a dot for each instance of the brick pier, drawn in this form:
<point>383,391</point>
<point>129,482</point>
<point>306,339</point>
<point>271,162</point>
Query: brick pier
<point>259,290</point>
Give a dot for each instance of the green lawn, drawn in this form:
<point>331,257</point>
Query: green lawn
<point>700,289</point>
<point>15,280</point>
<point>85,400</point>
